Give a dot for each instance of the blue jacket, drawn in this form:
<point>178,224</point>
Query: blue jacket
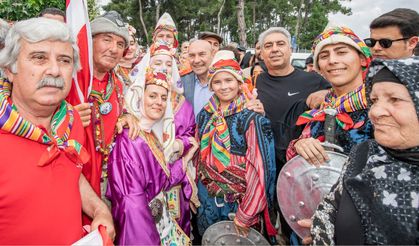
<point>188,82</point>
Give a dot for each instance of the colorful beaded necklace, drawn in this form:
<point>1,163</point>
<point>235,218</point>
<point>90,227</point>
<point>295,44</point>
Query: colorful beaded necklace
<point>97,99</point>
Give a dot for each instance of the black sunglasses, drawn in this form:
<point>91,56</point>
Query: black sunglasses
<point>385,42</point>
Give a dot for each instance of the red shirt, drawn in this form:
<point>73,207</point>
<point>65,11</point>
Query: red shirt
<point>93,169</point>
<point>38,205</point>
<point>111,118</point>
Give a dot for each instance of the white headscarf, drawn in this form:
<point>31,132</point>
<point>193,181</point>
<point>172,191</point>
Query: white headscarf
<point>164,128</point>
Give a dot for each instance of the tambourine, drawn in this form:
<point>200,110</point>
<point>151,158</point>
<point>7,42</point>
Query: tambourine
<point>301,187</point>
<point>224,233</point>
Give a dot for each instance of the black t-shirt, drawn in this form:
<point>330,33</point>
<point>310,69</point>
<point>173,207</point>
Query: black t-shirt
<point>283,98</point>
<point>279,93</point>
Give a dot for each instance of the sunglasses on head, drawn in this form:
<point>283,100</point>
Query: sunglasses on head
<point>385,42</point>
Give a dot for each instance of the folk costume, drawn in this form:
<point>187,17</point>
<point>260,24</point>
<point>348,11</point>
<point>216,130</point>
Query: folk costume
<point>183,124</point>
<point>141,178</point>
<point>159,46</point>
<point>123,69</point>
<point>236,166</point>
<point>352,123</point>
<point>39,175</point>
<point>375,201</point>
<point>106,98</point>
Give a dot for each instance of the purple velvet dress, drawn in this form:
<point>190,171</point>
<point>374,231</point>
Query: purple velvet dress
<point>135,178</point>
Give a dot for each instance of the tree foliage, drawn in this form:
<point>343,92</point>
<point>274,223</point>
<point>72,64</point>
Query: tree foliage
<point>13,10</point>
<point>303,18</point>
<point>193,16</point>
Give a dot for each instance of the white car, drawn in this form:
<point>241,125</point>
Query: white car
<point>298,60</point>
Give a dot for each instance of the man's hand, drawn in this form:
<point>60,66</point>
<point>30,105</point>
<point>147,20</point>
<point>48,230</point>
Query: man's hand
<point>315,99</point>
<point>255,105</point>
<point>128,121</point>
<point>102,216</point>
<point>85,113</point>
<point>95,208</point>
<point>311,150</point>
<point>306,223</point>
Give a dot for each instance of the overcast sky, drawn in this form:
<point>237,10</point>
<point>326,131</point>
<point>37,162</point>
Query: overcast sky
<point>364,11</point>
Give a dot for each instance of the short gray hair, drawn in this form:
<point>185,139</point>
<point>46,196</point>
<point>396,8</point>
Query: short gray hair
<point>4,28</point>
<point>271,30</point>
<point>33,31</point>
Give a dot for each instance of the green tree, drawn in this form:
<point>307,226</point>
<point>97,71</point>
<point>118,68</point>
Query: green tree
<point>92,8</point>
<point>303,18</point>
<point>14,10</point>
<point>316,20</point>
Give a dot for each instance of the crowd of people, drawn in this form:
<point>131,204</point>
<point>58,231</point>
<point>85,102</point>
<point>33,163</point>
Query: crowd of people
<point>176,138</point>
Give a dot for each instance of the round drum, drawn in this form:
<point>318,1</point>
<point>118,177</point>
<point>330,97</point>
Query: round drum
<point>302,186</point>
<point>224,233</point>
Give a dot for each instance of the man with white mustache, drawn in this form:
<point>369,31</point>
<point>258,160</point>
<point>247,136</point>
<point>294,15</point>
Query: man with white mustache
<point>51,82</point>
<point>42,142</point>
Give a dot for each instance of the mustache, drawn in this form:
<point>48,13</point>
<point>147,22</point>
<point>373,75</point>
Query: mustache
<point>51,82</point>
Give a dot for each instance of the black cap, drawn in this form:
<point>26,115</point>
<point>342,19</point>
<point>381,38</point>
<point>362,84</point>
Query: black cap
<point>204,35</point>
<point>309,60</point>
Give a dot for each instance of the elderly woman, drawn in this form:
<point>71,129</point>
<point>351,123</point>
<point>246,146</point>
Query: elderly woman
<point>376,200</point>
<point>236,165</point>
<point>139,173</point>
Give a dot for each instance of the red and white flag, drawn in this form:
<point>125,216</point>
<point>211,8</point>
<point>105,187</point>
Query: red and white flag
<point>78,20</point>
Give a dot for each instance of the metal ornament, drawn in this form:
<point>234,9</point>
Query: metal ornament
<point>119,23</point>
<point>224,233</point>
<point>105,108</point>
<point>301,187</point>
<point>156,207</point>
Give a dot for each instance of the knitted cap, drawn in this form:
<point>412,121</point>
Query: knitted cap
<point>110,22</point>
<point>224,62</point>
<point>335,35</point>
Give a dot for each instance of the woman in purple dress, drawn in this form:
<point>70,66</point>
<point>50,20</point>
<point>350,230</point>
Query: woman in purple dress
<point>139,174</point>
<point>160,57</point>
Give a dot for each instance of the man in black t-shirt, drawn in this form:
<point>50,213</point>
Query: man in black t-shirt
<point>285,92</point>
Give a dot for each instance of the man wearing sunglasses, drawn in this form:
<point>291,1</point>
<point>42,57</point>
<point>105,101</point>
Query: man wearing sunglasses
<point>394,35</point>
